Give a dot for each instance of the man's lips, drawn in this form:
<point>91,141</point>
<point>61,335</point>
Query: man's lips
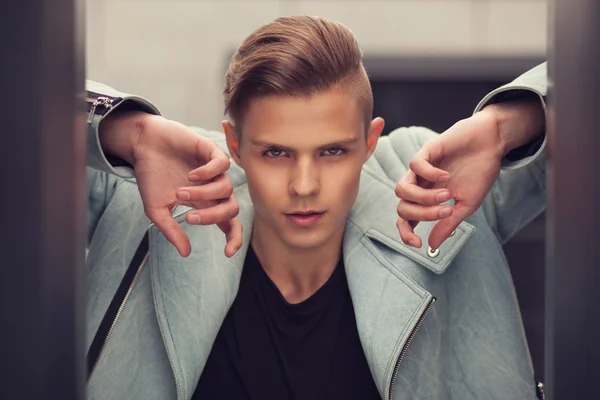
<point>305,212</point>
<point>305,218</point>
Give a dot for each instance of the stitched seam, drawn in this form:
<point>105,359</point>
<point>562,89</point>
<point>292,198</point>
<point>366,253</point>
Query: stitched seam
<point>388,182</point>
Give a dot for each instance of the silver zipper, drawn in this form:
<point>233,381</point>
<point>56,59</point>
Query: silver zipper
<point>542,392</point>
<point>121,307</point>
<point>405,348</point>
<point>100,101</point>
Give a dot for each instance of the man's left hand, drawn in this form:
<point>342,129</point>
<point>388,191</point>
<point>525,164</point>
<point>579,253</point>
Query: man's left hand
<point>461,164</point>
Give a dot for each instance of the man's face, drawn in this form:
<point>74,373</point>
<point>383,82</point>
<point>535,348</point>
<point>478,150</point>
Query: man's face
<point>302,158</point>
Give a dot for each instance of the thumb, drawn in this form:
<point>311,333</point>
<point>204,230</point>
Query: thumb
<point>162,218</point>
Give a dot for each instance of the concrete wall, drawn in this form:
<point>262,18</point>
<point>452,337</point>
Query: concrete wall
<point>175,52</point>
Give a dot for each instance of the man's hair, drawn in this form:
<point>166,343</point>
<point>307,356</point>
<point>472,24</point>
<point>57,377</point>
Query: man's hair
<point>296,56</point>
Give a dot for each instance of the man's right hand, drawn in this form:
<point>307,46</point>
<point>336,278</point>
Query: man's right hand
<point>174,165</point>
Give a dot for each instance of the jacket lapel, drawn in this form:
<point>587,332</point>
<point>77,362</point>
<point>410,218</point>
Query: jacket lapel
<point>192,295</point>
<point>387,303</point>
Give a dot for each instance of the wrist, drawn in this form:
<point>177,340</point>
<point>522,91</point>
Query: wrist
<point>120,131</point>
<point>518,122</point>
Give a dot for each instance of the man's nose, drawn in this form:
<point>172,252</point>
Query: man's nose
<point>305,178</point>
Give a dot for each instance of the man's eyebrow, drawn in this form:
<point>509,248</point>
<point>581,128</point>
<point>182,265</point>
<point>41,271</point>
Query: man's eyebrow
<point>343,142</point>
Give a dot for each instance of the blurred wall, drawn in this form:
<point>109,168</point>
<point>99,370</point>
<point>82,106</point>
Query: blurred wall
<point>175,52</point>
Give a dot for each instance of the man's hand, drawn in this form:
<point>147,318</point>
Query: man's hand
<point>462,163</point>
<point>175,166</point>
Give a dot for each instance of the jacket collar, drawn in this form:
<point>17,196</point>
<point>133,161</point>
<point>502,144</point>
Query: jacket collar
<point>193,295</point>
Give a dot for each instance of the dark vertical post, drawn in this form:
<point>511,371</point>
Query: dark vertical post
<point>573,251</point>
<point>42,167</point>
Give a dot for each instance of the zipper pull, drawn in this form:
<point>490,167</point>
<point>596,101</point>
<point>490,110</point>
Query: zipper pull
<point>100,101</point>
<point>541,392</point>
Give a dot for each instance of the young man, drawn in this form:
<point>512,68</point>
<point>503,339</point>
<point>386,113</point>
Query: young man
<point>325,293</point>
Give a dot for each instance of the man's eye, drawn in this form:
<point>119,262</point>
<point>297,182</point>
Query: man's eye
<point>275,153</point>
<point>334,151</point>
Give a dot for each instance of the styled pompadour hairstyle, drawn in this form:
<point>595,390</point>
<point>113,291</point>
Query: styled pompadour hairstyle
<point>296,56</point>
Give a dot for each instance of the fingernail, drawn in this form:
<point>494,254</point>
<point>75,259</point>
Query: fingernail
<point>194,218</point>
<point>184,195</point>
<point>444,178</point>
<point>413,243</point>
<point>445,212</point>
<point>442,196</point>
<point>194,178</point>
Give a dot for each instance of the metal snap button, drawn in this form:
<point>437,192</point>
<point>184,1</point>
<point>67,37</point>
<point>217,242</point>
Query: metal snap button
<point>433,253</point>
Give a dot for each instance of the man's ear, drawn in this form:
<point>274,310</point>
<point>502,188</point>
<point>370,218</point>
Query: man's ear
<point>375,129</point>
<point>233,142</point>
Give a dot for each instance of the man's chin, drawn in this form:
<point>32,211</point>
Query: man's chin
<point>304,240</point>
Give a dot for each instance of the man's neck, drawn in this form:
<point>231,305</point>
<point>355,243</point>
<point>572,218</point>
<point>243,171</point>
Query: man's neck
<point>297,272</point>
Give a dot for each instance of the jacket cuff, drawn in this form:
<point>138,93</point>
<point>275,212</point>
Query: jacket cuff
<point>531,84</point>
<point>100,102</point>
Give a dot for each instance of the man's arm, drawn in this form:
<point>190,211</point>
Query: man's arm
<point>519,194</point>
<point>105,172</point>
<point>172,165</point>
<point>506,134</point>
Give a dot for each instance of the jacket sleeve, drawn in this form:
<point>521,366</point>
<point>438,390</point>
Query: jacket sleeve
<point>519,194</point>
<point>105,174</point>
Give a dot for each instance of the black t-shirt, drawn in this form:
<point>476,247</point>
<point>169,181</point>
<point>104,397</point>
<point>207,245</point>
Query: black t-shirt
<point>270,349</point>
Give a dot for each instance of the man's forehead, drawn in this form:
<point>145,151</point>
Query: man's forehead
<point>315,142</point>
<point>324,117</point>
<point>307,133</point>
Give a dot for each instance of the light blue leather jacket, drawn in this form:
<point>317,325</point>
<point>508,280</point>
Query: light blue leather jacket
<point>443,326</point>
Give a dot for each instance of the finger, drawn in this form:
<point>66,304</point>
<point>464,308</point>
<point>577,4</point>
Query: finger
<point>444,228</point>
<point>407,234</point>
<point>217,162</point>
<point>416,212</point>
<point>422,163</point>
<point>233,233</point>
<point>416,194</point>
<point>409,178</point>
<point>219,188</point>
<point>173,232</point>
<point>218,213</point>
<point>425,170</point>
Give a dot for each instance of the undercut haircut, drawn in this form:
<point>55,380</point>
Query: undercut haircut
<point>296,56</point>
